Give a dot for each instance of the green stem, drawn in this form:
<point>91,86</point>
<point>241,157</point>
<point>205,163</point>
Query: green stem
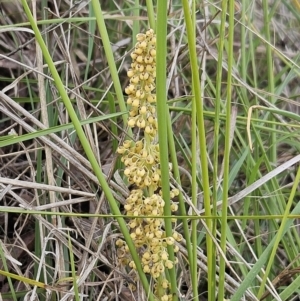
<point>195,168</point>
<point>136,22</point>
<point>202,140</point>
<point>161,118</point>
<point>279,234</point>
<point>273,143</point>
<point>226,179</point>
<point>217,124</point>
<point>182,203</point>
<point>109,56</point>
<point>150,13</point>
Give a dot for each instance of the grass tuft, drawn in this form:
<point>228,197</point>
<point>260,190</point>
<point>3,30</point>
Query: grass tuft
<point>227,86</point>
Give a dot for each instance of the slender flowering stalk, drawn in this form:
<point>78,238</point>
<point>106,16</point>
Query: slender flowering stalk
<point>141,160</point>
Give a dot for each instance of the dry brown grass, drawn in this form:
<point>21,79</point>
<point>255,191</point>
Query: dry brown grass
<point>51,173</point>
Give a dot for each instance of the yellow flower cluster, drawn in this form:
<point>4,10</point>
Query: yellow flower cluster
<point>145,204</point>
<point>142,82</point>
<point>141,163</point>
<point>148,233</point>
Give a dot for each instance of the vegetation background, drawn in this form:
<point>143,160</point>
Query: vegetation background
<point>231,85</point>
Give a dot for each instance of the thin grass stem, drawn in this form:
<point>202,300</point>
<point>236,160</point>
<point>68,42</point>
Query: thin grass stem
<point>221,290</point>
<point>202,140</point>
<point>162,114</point>
<point>195,170</point>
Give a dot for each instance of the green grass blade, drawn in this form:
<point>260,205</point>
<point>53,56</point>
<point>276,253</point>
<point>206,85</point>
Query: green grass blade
<point>12,139</point>
<point>202,141</point>
<point>227,151</point>
<point>248,281</point>
<point>162,114</point>
<point>109,56</point>
<point>279,234</point>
